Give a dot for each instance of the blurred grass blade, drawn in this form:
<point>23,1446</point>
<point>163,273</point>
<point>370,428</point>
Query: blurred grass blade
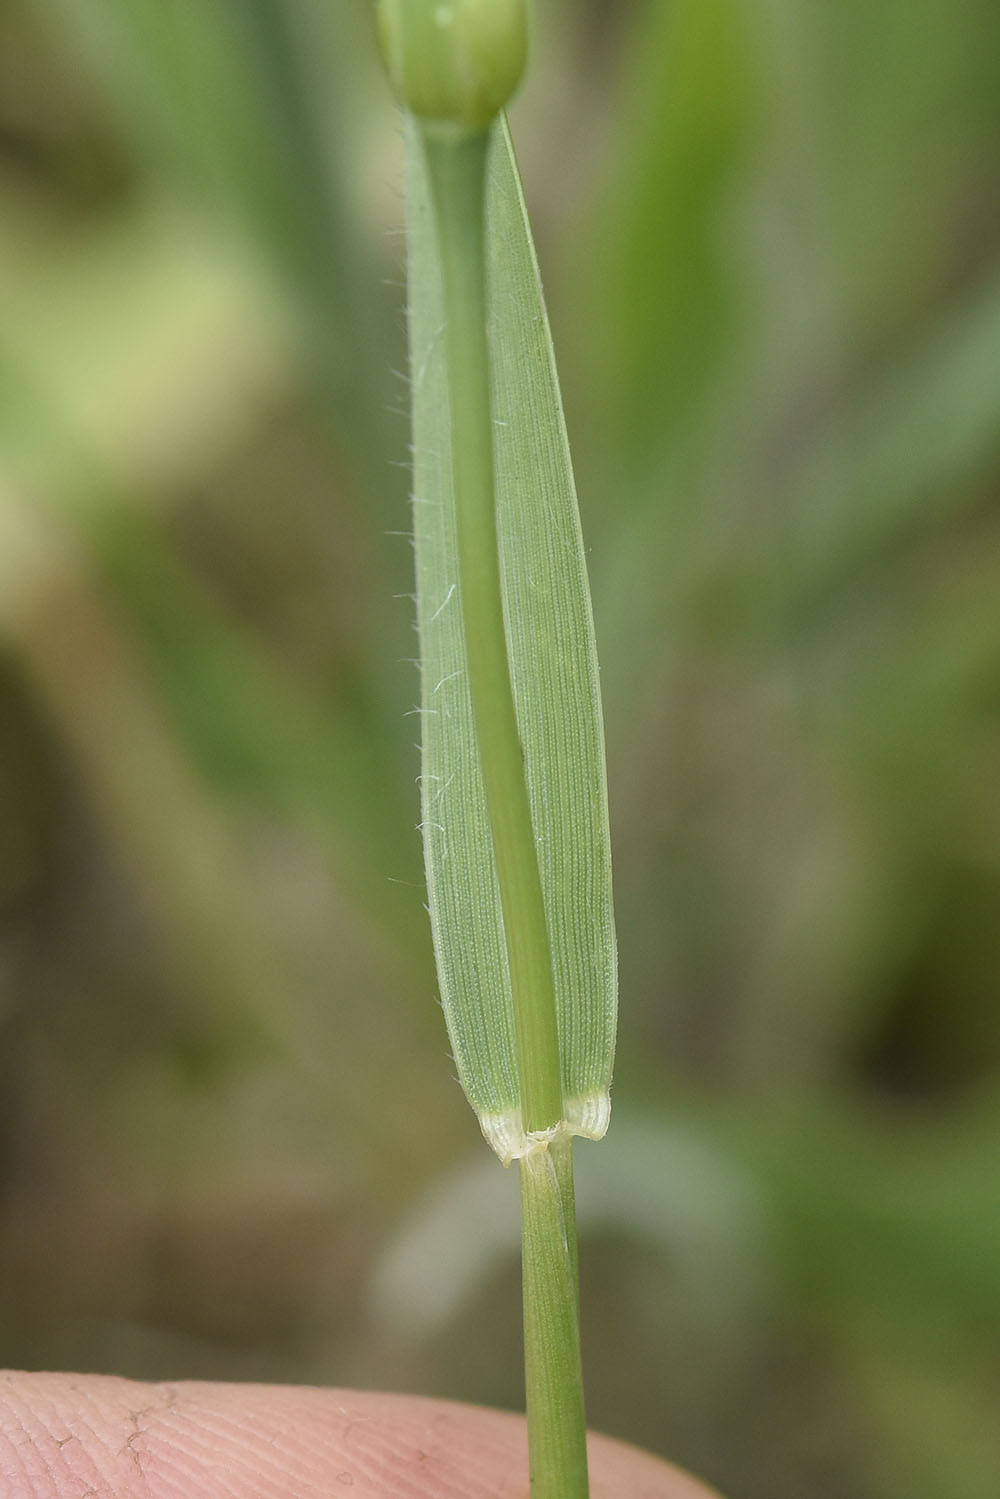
<point>553,666</point>
<point>664,324</point>
<point>230,98</point>
<point>912,447</point>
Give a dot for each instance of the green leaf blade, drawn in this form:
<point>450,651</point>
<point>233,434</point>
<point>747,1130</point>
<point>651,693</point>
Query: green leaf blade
<point>553,664</point>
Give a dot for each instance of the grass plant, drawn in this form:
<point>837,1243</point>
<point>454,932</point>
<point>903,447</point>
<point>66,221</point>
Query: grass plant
<point>514,803</point>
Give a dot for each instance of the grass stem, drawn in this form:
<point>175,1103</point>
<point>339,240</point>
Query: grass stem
<point>552,1370</point>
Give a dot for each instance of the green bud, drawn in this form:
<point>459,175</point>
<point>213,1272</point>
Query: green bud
<point>458,60</point>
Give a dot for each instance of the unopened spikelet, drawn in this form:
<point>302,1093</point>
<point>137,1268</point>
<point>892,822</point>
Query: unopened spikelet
<point>454,60</point>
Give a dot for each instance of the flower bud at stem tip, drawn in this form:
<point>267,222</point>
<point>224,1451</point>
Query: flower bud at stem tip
<point>454,60</point>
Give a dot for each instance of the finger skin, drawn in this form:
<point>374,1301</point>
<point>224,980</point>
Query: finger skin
<point>74,1436</point>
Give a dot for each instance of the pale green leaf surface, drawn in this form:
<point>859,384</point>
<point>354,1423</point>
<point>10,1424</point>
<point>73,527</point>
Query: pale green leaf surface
<point>554,675</point>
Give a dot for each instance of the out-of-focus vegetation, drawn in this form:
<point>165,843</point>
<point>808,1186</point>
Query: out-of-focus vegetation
<point>231,1140</point>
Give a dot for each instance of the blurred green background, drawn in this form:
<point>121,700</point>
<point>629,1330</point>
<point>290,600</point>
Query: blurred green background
<point>231,1143</point>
